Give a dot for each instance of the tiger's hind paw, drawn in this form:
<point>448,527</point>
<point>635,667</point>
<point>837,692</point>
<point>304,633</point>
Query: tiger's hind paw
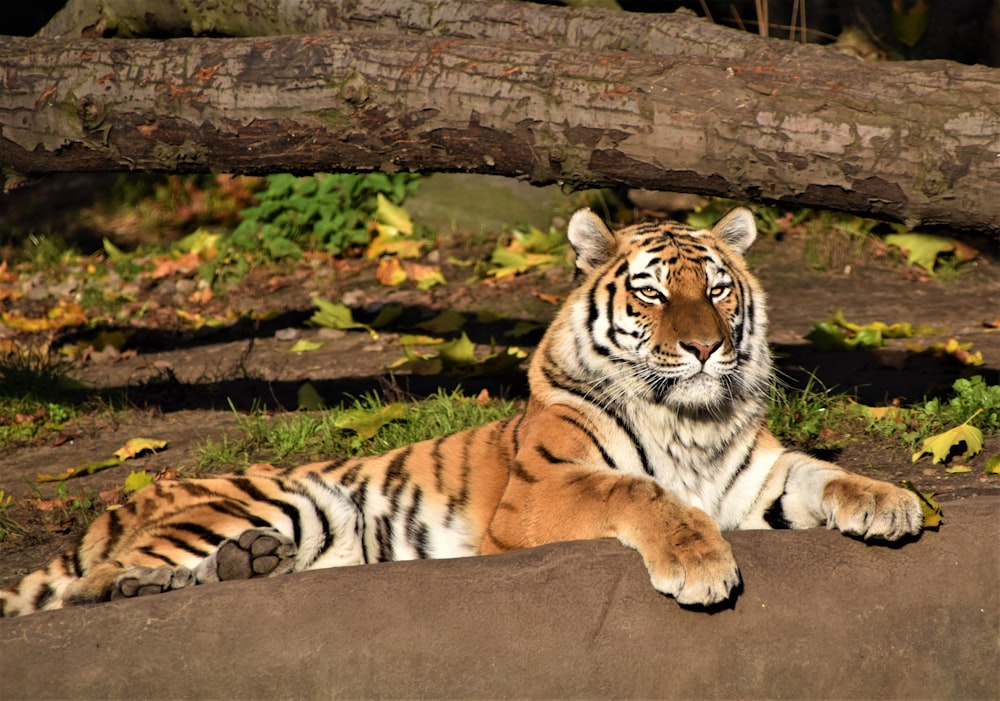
<point>142,581</point>
<point>258,552</point>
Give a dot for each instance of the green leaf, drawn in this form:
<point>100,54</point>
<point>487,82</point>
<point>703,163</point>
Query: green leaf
<point>500,362</point>
<point>114,253</point>
<point>460,351</point>
<point>386,315</point>
<point>309,399</point>
<point>909,26</point>
<point>923,249</point>
<point>444,322</point>
<point>942,445</point>
<point>993,465</point>
<point>136,481</point>
<point>523,328</point>
<point>334,315</point>
<point>367,423</point>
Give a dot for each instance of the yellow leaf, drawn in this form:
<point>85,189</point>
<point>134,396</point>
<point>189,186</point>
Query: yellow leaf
<point>304,345</point>
<point>137,446</point>
<point>425,276</point>
<point>390,273</point>
<point>86,468</point>
<point>942,445</point>
<point>419,340</point>
<point>955,469</point>
<point>393,215</point>
<point>933,515</point>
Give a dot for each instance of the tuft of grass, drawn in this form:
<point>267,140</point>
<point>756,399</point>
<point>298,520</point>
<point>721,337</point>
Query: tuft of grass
<point>814,417</point>
<point>36,394</point>
<point>301,437</point>
<point>9,526</point>
<point>972,397</point>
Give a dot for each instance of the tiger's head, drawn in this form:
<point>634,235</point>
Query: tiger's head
<point>669,313</point>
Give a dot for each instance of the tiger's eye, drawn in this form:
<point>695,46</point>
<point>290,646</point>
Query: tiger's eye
<point>650,295</point>
<point>719,292</point>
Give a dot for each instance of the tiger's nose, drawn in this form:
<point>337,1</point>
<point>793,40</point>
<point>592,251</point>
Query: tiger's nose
<point>700,350</point>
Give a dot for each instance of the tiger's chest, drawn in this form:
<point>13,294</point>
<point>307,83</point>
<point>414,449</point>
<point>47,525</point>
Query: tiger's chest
<point>706,462</point>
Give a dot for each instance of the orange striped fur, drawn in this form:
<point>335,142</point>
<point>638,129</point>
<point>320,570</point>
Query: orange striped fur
<point>645,424</point>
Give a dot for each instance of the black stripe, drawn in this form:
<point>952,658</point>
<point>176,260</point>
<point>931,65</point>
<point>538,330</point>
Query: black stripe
<point>775,517</point>
<point>517,470</point>
<point>206,534</point>
<point>231,508</point>
<point>608,460</point>
<point>438,462</point>
<point>622,424</point>
<point>44,596</point>
<point>184,545</point>
<point>416,532</point>
<point>328,535</point>
<point>383,536</point>
<point>151,552</point>
<point>289,510</point>
<point>593,314</point>
<point>114,532</point>
<point>549,457</point>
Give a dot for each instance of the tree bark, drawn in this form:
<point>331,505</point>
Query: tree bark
<point>915,142</point>
<point>489,20</point>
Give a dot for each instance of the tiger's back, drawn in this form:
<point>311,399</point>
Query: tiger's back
<point>645,423</point>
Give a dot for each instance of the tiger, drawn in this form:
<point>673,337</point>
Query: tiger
<point>645,422</point>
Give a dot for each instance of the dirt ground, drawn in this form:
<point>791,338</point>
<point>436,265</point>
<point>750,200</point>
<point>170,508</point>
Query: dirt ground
<point>184,386</point>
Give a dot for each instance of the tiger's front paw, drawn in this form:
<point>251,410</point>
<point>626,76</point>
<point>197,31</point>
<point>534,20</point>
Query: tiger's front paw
<point>696,568</point>
<point>871,509</point>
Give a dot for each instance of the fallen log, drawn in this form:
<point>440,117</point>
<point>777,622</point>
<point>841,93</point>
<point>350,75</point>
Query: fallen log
<point>915,142</point>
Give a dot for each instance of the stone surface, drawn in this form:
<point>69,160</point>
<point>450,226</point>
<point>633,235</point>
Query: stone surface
<point>821,616</point>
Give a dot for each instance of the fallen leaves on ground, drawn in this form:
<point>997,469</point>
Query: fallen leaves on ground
<point>952,348</point>
<point>924,249</point>
<point>334,315</point>
<point>459,353</point>
<point>943,445</point>
<point>932,512</point>
<point>62,315</point>
<point>839,334</point>
<point>132,448</point>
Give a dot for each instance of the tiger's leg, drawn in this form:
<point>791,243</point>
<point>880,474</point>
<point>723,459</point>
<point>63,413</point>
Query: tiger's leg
<point>820,493</point>
<point>257,552</point>
<point>683,548</point>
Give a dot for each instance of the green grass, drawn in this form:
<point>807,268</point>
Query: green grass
<point>300,437</point>
<point>817,417</point>
<point>36,395</point>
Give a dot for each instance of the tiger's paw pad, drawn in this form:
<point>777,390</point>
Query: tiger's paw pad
<point>700,576</point>
<point>872,509</point>
<point>142,581</point>
<point>258,552</point>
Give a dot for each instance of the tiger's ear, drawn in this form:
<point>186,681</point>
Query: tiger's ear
<point>737,229</point>
<point>591,239</point>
